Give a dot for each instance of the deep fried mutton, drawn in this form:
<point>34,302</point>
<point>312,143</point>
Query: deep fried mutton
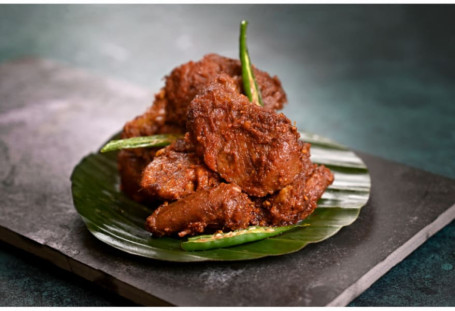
<point>148,123</point>
<point>224,207</point>
<point>298,200</point>
<point>251,146</point>
<point>130,167</point>
<point>175,172</point>
<point>131,162</point>
<point>167,115</point>
<point>188,80</point>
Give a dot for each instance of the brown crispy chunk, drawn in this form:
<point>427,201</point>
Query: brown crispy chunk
<point>130,167</point>
<point>223,207</point>
<point>299,199</point>
<point>132,162</point>
<point>252,146</point>
<point>167,115</point>
<point>188,80</point>
<point>150,122</point>
<point>175,172</point>
<point>238,165</point>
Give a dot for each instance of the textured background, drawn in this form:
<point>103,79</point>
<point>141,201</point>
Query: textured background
<point>378,78</point>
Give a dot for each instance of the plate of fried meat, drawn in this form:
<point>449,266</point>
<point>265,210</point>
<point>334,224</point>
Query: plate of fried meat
<point>212,171</point>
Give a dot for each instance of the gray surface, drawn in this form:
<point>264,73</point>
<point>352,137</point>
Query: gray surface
<point>54,117</point>
<point>381,75</point>
<point>44,282</point>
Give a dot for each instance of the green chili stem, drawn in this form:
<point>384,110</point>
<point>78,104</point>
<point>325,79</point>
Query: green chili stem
<point>140,142</point>
<point>249,81</point>
<point>218,240</point>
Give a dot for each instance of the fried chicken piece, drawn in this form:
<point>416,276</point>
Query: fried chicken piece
<point>188,80</point>
<point>223,207</point>
<point>251,146</point>
<point>175,172</point>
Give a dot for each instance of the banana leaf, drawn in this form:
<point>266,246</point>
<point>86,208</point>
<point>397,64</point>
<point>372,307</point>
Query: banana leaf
<point>118,221</point>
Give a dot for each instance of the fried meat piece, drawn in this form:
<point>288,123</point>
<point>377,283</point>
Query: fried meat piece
<point>248,145</point>
<point>299,199</point>
<point>175,172</point>
<point>150,122</point>
<point>132,162</point>
<point>222,207</point>
<point>130,167</point>
<point>188,80</point>
<point>167,115</point>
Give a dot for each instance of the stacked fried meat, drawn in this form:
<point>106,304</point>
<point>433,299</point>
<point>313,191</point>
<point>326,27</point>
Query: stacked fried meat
<point>236,165</point>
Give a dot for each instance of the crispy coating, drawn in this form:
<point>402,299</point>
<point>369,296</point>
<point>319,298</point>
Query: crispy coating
<point>223,207</point>
<point>299,199</point>
<point>132,162</point>
<point>167,115</point>
<point>251,146</point>
<point>238,165</point>
<point>175,172</point>
<point>130,167</point>
<point>188,80</point>
<point>152,122</point>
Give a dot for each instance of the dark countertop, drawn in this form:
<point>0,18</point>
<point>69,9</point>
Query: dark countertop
<point>376,78</point>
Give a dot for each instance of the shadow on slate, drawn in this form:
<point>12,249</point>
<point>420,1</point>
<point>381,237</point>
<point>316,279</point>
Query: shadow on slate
<point>55,115</point>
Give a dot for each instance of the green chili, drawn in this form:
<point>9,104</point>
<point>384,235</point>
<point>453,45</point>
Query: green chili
<point>218,240</point>
<point>250,85</point>
<point>140,142</point>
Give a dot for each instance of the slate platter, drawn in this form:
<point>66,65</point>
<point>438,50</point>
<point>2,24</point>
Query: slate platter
<point>52,115</point>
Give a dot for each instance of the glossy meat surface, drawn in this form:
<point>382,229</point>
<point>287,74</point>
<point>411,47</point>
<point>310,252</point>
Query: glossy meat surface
<point>175,172</point>
<point>223,207</point>
<point>252,146</point>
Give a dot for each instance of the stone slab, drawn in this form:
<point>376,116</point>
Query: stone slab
<point>52,115</point>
